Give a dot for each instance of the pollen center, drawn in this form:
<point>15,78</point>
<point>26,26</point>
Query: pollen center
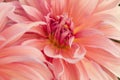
<point>59,30</point>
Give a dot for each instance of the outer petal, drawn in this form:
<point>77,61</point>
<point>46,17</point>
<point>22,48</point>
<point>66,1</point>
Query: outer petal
<point>40,44</point>
<point>33,13</point>
<point>99,41</point>
<point>41,5</point>
<point>105,59</point>
<point>68,71</point>
<point>94,71</point>
<point>14,32</point>
<point>20,54</point>
<point>110,32</point>
<point>24,71</point>
<point>107,4</point>
<point>3,13</point>
<point>58,6</point>
<point>71,55</point>
<point>82,72</point>
<point>82,10</point>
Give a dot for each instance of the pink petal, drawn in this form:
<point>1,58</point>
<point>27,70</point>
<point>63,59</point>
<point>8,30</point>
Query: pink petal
<point>3,13</point>
<point>40,44</point>
<point>57,6</point>
<point>70,72</point>
<point>71,55</point>
<point>20,54</point>
<point>94,71</point>
<point>88,32</point>
<point>99,41</point>
<point>57,68</point>
<point>110,32</point>
<point>41,5</point>
<point>14,32</point>
<point>106,5</point>
<point>33,13</point>
<point>80,11</point>
<point>83,74</point>
<point>106,60</point>
<point>25,71</point>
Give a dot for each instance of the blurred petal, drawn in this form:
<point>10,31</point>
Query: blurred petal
<point>110,32</point>
<point>107,4</point>
<point>3,13</point>
<point>32,12</point>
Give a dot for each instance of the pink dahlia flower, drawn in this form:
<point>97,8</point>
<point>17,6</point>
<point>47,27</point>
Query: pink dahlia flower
<point>18,62</point>
<point>75,36</point>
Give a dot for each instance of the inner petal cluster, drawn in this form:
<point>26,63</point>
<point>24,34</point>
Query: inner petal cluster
<point>59,30</point>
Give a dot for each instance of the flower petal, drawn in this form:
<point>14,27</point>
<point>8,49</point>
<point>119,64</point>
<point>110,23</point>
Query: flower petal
<point>71,55</point>
<point>110,32</point>
<point>99,41</point>
<point>25,71</point>
<point>105,59</point>
<point>40,44</point>
<point>14,32</point>
<point>41,5</point>
<point>3,13</point>
<point>83,74</point>
<point>86,7</point>
<point>94,71</point>
<point>106,5</point>
<point>70,72</point>
<point>33,13</point>
<point>57,6</point>
<point>20,54</point>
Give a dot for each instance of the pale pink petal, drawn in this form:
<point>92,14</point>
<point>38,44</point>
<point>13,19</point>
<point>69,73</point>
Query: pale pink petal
<point>18,18</point>
<point>33,13</point>
<point>82,72</point>
<point>40,44</point>
<point>20,54</point>
<point>14,32</point>
<point>87,32</point>
<point>57,6</point>
<point>57,68</point>
<point>107,4</point>
<point>80,9</point>
<point>70,72</point>
<point>71,55</point>
<point>41,5</point>
<point>110,32</point>
<point>106,60</point>
<point>100,19</point>
<point>25,71</point>
<point>99,41</point>
<point>94,71</point>
<point>3,13</point>
<point>112,76</point>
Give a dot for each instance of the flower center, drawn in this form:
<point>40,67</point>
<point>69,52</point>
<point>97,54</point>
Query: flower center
<point>59,30</point>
